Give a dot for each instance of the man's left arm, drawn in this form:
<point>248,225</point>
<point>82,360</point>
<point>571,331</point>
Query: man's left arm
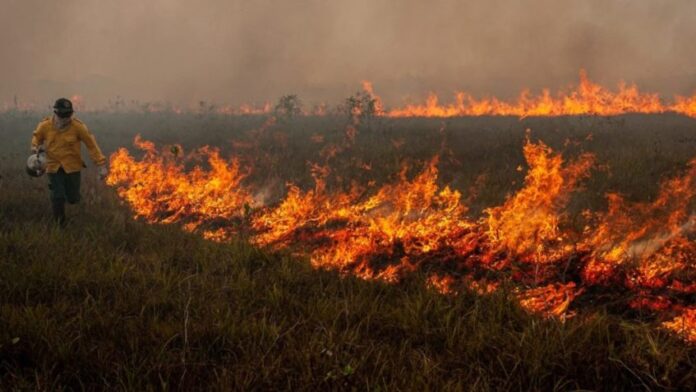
<point>95,152</point>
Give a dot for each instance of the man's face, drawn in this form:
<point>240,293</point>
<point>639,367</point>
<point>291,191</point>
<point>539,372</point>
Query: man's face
<point>60,121</point>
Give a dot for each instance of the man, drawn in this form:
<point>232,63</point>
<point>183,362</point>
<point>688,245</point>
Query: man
<point>60,136</point>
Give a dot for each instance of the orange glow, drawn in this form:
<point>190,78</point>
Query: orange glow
<point>244,109</point>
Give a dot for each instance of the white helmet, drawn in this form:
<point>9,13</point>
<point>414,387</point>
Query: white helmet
<point>36,164</point>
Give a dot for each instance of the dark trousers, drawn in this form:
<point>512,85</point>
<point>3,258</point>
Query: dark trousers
<point>64,187</point>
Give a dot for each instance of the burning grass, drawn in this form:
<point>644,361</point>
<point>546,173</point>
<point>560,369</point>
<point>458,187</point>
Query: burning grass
<point>415,225</point>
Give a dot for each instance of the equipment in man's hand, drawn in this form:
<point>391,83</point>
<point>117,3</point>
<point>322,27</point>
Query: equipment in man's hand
<point>36,164</point>
<point>102,172</point>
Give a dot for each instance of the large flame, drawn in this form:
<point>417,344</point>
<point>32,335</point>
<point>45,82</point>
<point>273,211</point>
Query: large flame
<point>640,252</point>
<point>375,236</point>
<point>528,223</point>
<point>161,190</point>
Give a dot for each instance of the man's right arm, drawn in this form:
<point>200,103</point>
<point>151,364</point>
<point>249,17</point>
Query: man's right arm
<point>37,138</point>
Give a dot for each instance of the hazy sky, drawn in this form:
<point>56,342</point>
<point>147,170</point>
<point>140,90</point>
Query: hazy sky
<point>237,51</point>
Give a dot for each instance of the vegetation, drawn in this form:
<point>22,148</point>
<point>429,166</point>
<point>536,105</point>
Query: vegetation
<point>115,303</point>
<point>288,106</point>
<point>362,106</point>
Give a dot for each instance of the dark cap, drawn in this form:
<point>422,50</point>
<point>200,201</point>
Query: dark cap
<point>63,107</point>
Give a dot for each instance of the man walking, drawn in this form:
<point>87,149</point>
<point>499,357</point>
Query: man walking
<point>60,137</point>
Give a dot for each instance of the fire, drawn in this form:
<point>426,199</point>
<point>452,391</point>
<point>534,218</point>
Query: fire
<point>550,300</point>
<point>250,109</point>
<point>685,105</point>
<point>370,91</point>
<point>401,221</point>
<point>646,246</point>
<point>528,223</point>
<point>161,190</point>
<point>588,98</point>
<point>643,251</point>
<point>311,208</point>
<point>684,324</point>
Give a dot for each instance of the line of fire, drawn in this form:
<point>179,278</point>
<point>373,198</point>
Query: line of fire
<point>636,253</point>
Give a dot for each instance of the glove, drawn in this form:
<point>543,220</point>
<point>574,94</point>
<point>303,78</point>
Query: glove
<point>103,172</point>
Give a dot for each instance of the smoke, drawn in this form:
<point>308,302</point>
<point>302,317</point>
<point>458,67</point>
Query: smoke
<point>640,250</point>
<point>245,51</point>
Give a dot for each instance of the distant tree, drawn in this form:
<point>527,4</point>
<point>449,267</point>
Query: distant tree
<point>117,104</point>
<point>205,108</point>
<point>288,106</point>
<point>362,106</point>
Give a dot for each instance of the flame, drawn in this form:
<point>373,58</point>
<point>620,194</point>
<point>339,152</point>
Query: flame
<point>528,223</point>
<point>647,240</point>
<point>684,324</point>
<point>370,91</point>
<point>551,300</point>
<point>404,220</point>
<point>588,98</point>
<point>414,224</point>
<point>684,105</point>
<point>446,284</point>
<point>160,190</point>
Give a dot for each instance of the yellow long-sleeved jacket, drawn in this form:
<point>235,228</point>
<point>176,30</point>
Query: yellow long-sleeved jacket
<point>63,145</point>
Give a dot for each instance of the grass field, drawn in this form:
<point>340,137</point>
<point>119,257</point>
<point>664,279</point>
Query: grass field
<point>113,302</point>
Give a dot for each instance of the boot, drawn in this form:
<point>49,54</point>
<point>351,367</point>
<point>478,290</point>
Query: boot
<point>59,212</point>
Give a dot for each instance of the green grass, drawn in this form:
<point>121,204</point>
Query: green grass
<point>119,304</point>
